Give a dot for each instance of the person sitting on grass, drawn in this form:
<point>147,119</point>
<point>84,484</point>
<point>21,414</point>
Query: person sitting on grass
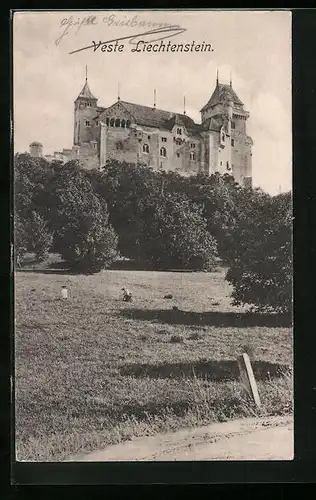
<point>127,296</point>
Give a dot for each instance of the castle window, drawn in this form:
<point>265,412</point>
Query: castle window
<point>128,123</point>
<point>178,155</point>
<point>119,145</point>
<point>123,123</point>
<point>233,125</point>
<point>89,104</point>
<point>149,137</point>
<point>233,142</point>
<point>164,139</point>
<point>163,152</point>
<point>107,121</point>
<point>94,145</point>
<point>192,145</point>
<point>117,122</point>
<point>87,123</point>
<point>178,142</point>
<point>227,165</point>
<point>112,122</point>
<point>179,131</point>
<point>192,155</point>
<point>145,148</point>
<point>97,123</point>
<point>221,163</point>
<point>223,137</point>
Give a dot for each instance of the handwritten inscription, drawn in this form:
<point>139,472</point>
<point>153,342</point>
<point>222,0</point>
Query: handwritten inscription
<point>73,24</point>
<point>70,22</point>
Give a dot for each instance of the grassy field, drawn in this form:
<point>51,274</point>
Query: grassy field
<point>94,370</point>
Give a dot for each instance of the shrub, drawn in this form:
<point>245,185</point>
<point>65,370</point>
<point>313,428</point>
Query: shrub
<point>39,236</point>
<point>79,217</point>
<point>20,240</point>
<point>261,267</point>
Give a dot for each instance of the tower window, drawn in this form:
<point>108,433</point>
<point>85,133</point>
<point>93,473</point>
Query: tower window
<point>178,142</point>
<point>192,145</point>
<point>233,142</point>
<point>97,123</point>
<point>233,125</point>
<point>163,152</point>
<point>179,131</point>
<point>192,155</point>
<point>145,148</point>
<point>123,123</point>
<point>112,122</point>
<point>117,122</point>
<point>149,137</point>
<point>89,104</point>
<point>107,121</point>
<point>178,155</point>
<point>164,139</point>
<point>87,123</point>
<point>128,124</point>
<point>221,163</point>
<point>223,137</point>
<point>94,145</point>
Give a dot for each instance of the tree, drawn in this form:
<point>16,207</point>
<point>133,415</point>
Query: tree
<point>176,236</point>
<point>79,218</point>
<point>20,240</point>
<point>40,237</point>
<point>261,265</point>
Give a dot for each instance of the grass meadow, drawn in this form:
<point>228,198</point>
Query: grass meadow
<point>93,370</point>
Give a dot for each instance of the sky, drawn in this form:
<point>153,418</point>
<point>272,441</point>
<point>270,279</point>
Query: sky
<point>253,46</point>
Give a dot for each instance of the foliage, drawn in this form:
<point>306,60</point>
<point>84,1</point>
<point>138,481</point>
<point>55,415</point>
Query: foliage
<point>261,267</point>
<point>79,219</point>
<point>176,236</point>
<point>20,239</point>
<point>155,222</point>
<point>31,232</point>
<point>40,237</point>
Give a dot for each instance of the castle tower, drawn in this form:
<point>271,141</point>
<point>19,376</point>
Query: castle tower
<point>224,118</point>
<point>85,110</point>
<point>36,149</point>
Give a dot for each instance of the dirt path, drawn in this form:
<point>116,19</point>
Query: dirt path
<point>248,439</point>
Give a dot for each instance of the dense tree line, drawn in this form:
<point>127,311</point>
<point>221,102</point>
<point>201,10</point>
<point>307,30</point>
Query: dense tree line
<point>160,220</point>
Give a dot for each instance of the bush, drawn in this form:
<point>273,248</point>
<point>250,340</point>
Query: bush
<point>261,267</point>
<point>39,236</point>
<point>20,240</point>
<point>79,217</point>
<point>177,236</point>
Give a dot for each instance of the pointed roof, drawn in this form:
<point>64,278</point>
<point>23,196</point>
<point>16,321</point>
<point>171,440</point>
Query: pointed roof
<point>223,93</point>
<point>86,92</point>
<point>176,119</point>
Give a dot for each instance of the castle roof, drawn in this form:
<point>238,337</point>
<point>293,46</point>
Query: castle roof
<point>35,143</point>
<point>153,117</point>
<point>223,93</point>
<point>86,92</point>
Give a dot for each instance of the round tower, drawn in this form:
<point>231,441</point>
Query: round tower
<point>36,149</point>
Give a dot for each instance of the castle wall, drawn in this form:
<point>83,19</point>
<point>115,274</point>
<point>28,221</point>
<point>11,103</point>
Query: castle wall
<point>142,145</point>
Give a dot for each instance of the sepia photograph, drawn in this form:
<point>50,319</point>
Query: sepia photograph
<point>152,253</point>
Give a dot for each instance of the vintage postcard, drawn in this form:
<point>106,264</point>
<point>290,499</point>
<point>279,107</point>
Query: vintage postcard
<point>152,235</point>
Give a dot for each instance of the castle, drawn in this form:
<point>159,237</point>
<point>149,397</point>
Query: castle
<point>161,139</point>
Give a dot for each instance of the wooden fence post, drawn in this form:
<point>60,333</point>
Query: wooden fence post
<point>248,378</point>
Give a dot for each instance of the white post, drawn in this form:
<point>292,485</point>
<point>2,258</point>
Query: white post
<point>248,379</point>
